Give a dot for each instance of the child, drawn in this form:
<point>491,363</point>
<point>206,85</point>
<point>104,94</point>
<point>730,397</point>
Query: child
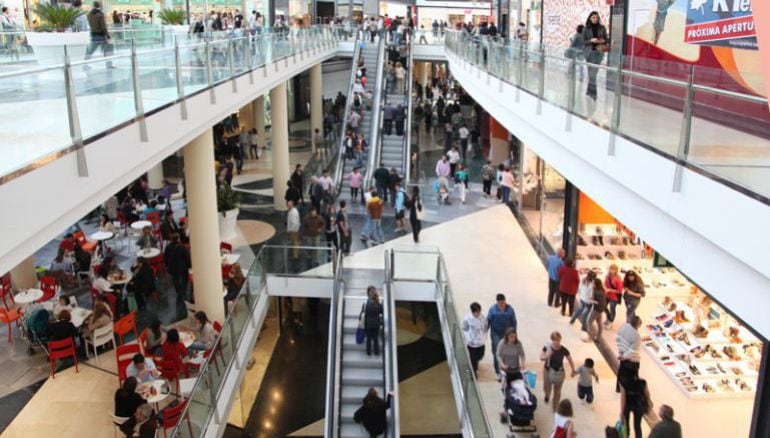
<point>585,389</point>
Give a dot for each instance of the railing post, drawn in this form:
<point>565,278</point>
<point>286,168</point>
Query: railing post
<point>541,81</point>
<point>73,117</point>
<point>179,80</point>
<point>683,151</point>
<point>249,59</point>
<point>138,105</point>
<point>209,77</point>
<point>233,339</point>
<point>212,394</point>
<point>522,70</point>
<point>616,104</point>
<point>231,65</point>
<point>572,86</point>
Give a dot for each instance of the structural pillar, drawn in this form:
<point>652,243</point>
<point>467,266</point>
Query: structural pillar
<point>425,78</point>
<point>155,177</point>
<point>24,276</point>
<point>316,103</point>
<point>258,112</point>
<point>279,132</point>
<point>203,222</point>
<point>499,147</point>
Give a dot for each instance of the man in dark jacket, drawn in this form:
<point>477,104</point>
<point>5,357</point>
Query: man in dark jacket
<point>400,116</point>
<point>381,176</point>
<point>177,261</point>
<point>298,181</point>
<point>387,117</point>
<point>100,37</point>
<point>292,194</point>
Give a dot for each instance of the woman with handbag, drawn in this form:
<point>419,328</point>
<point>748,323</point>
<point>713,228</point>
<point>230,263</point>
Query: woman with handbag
<point>595,46</point>
<point>416,213</point>
<point>372,316</point>
<point>373,413</point>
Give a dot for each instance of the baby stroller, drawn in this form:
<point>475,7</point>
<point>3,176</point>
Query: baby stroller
<point>34,326</point>
<point>519,407</point>
<point>441,187</point>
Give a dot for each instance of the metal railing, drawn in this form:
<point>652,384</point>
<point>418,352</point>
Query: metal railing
<point>74,97</point>
<point>348,103</point>
<point>390,351</point>
<point>407,157</point>
<point>375,137</point>
<point>427,265</point>
<point>334,354</point>
<point>633,95</point>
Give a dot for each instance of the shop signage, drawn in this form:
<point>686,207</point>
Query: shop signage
<point>726,23</point>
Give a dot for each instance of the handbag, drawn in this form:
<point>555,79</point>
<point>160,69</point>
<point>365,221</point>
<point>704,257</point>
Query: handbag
<point>603,48</point>
<point>360,332</point>
<point>621,428</point>
<point>419,211</point>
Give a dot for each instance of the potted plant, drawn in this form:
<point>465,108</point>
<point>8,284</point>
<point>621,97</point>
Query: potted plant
<point>228,201</point>
<point>55,32</point>
<point>175,18</point>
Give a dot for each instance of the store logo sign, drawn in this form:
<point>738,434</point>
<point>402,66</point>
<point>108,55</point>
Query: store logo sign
<point>721,23</point>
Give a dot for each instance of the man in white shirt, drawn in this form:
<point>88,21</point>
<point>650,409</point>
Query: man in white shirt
<point>628,342</point>
<point>143,368</point>
<point>292,227</point>
<point>353,119</point>
<point>326,182</point>
<point>464,133</point>
<point>454,158</point>
<point>475,328</point>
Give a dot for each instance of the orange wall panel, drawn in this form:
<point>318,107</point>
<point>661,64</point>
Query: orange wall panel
<point>589,212</point>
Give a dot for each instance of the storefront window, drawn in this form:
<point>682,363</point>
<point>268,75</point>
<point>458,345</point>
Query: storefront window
<point>553,209</point>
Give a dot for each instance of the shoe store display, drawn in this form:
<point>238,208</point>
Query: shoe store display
<point>694,370</point>
<point>622,255</point>
<point>708,388</point>
<point>608,255</point>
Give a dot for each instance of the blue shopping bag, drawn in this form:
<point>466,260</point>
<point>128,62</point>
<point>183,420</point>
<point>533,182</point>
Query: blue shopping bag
<point>531,378</point>
<point>360,335</point>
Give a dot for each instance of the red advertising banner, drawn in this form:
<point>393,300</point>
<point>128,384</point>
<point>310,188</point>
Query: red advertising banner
<point>731,28</point>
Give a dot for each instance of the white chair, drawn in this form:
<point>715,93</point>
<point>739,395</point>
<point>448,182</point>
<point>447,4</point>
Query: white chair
<point>190,313</point>
<point>116,423</point>
<point>102,336</point>
<point>186,387</point>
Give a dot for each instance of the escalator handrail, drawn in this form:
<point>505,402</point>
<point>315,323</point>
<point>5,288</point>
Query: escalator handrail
<point>334,355</point>
<point>348,102</point>
<point>376,114</point>
<point>407,157</point>
<point>390,350</point>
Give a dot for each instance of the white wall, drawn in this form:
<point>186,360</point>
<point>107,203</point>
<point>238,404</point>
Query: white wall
<point>414,290</point>
<point>43,203</point>
<point>715,235</point>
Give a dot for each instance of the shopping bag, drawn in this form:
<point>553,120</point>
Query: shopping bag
<point>531,378</point>
<point>621,428</point>
<point>360,335</point>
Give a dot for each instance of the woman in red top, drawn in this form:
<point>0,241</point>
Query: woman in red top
<point>175,351</point>
<point>613,287</point>
<point>569,279</point>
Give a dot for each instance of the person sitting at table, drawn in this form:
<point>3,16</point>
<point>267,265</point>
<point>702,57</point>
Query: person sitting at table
<point>206,333</point>
<point>142,368</point>
<point>143,282</point>
<point>61,268</point>
<point>147,240</point>
<point>143,424</point>
<point>150,208</point>
<point>100,301</point>
<point>235,280</point>
<point>62,304</point>
<point>100,282</point>
<point>168,227</point>
<point>100,317</point>
<point>155,338</point>
<point>63,327</point>
<point>68,243</point>
<point>82,259</point>
<point>105,224</point>
<point>127,399</point>
<point>127,207</point>
<point>178,264</point>
<point>175,351</point>
<point>111,263</point>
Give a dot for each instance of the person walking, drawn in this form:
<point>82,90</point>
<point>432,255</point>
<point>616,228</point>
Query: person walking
<point>506,184</point>
<point>372,314</point>
<point>373,413</point>
<point>400,207</point>
<point>628,342</point>
<point>554,262</point>
<point>374,207</point>
<point>355,178</point>
<point>298,181</point>
<point>343,228</point>
<point>585,294</point>
<point>463,133</point>
<point>595,45</point>
<point>442,167</point>
<point>553,356</point>
<point>633,292</point>
<point>454,158</point>
<point>613,287</point>
<point>576,49</point>
<point>330,226</point>
<point>474,329</point>
<point>598,308</point>
<point>100,36</point>
<point>381,178</point>
<point>312,227</point>
<point>461,176</point>
<point>667,427</point>
<point>487,176</point>
<point>569,281</point>
<point>415,213</point>
<point>292,227</point>
<point>634,398</point>
<point>178,265</point>
<point>585,387</point>
<point>510,353</point>
<point>500,318</point>
<point>563,426</point>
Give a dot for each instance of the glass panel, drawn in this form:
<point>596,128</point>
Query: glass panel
<point>299,260</point>
<point>105,94</point>
<point>157,77</point>
<point>553,209</point>
<point>220,67</point>
<point>193,67</point>
<point>557,80</point>
<point>415,265</point>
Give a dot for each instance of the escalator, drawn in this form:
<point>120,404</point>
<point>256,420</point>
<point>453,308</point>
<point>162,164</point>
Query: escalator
<point>393,148</point>
<point>373,62</point>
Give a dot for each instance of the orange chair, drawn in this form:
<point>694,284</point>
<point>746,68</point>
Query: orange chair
<point>48,286</point>
<point>60,350</point>
<point>124,354</point>
<point>113,302</point>
<point>126,325</point>
<point>83,242</point>
<point>9,316</point>
<point>225,248</point>
<point>172,416</point>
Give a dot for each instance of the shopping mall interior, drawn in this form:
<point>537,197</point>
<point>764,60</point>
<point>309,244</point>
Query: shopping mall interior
<point>273,218</point>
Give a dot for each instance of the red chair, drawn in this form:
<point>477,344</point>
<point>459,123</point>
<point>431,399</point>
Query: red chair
<point>143,341</point>
<point>87,246</point>
<point>6,294</point>
<point>168,371</point>
<point>159,238</point>
<point>126,325</point>
<point>153,217</point>
<point>60,350</point>
<point>157,265</point>
<point>113,302</point>
<point>226,271</point>
<point>225,248</point>
<point>9,316</point>
<point>124,355</point>
<point>123,222</point>
<point>172,416</point>
<point>94,293</point>
<point>48,286</point>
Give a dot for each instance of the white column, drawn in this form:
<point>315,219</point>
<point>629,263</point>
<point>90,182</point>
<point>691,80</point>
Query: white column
<point>316,103</point>
<point>155,177</point>
<point>280,146</point>
<point>23,276</point>
<point>425,74</point>
<point>258,112</point>
<point>203,222</point>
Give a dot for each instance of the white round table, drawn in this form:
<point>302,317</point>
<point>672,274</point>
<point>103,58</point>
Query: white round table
<point>29,296</point>
<point>140,225</point>
<point>116,280</point>
<point>148,253</point>
<point>158,396</point>
<point>102,235</point>
<point>187,337</point>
